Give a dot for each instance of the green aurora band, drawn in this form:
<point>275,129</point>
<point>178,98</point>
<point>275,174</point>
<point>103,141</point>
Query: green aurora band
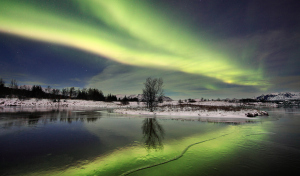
<point>128,32</point>
<point>200,156</point>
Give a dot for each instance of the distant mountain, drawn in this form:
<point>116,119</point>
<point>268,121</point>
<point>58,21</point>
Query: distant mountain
<point>140,97</point>
<point>280,96</point>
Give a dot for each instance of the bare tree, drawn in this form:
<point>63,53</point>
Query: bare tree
<point>13,84</point>
<point>2,82</point>
<point>65,92</point>
<point>72,91</point>
<point>153,92</point>
<point>55,93</point>
<point>48,89</point>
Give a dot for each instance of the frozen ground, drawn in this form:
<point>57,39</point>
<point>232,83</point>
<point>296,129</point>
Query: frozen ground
<point>216,109</point>
<point>170,108</point>
<point>49,103</point>
<point>177,112</point>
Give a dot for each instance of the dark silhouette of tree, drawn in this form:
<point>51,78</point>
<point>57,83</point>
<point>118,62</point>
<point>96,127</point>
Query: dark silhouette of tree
<point>37,92</point>
<point>92,94</point>
<point>125,101</point>
<point>153,92</point>
<point>191,100</point>
<point>82,94</point>
<point>48,89</point>
<point>71,92</point>
<point>3,90</point>
<point>55,93</point>
<point>13,87</point>
<point>2,83</point>
<point>133,99</point>
<point>91,119</point>
<point>13,84</point>
<point>111,97</point>
<point>95,94</point>
<point>23,92</point>
<point>153,134</point>
<point>65,92</point>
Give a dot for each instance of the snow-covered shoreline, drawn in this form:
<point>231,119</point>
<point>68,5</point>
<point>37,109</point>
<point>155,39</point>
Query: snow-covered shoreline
<point>175,113</point>
<point>212,109</point>
<point>89,103</point>
<point>134,108</point>
<point>62,103</point>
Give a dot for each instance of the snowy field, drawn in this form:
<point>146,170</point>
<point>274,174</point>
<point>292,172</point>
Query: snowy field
<point>219,109</point>
<point>187,111</point>
<point>49,103</point>
<point>171,108</point>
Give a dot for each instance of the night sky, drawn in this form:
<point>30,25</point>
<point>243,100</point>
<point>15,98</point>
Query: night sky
<point>201,48</point>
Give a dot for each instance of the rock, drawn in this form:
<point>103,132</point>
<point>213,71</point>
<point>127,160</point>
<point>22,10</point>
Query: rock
<point>264,113</point>
<point>250,114</point>
<point>254,114</point>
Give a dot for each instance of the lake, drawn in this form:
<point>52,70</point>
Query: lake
<point>91,141</point>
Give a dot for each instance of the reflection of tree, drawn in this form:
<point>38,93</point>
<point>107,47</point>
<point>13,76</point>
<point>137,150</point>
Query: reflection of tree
<point>91,119</point>
<point>153,133</point>
<point>53,119</point>
<point>7,125</point>
<point>33,119</point>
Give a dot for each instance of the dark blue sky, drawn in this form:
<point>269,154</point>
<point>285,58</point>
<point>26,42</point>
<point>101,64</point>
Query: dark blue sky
<point>201,48</point>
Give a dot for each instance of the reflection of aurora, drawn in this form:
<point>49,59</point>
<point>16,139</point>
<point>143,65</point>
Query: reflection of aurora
<point>198,156</point>
<point>153,133</point>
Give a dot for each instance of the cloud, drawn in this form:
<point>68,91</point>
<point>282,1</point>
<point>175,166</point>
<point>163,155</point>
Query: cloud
<point>21,78</point>
<point>118,78</point>
<point>35,83</point>
<point>130,33</point>
<point>76,79</point>
<point>274,53</point>
<point>286,83</point>
<point>121,43</point>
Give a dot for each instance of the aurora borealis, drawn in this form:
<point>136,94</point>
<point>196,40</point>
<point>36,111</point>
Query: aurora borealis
<point>200,48</point>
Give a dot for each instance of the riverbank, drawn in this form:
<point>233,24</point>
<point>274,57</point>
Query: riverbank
<point>197,109</point>
<point>51,103</point>
<point>192,110</point>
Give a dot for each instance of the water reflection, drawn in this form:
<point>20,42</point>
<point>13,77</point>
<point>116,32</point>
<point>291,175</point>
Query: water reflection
<point>33,119</point>
<point>92,119</point>
<point>153,134</point>
<point>10,117</point>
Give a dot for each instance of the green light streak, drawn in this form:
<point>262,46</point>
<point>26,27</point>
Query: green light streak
<point>133,157</point>
<point>129,32</point>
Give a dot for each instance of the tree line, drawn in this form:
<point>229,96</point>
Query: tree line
<point>153,93</point>
<point>12,90</point>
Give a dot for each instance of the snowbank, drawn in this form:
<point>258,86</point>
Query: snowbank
<point>222,103</point>
<point>231,114</point>
<point>63,103</point>
<point>172,108</point>
<point>192,111</point>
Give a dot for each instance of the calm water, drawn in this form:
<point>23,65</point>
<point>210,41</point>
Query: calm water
<point>98,142</point>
